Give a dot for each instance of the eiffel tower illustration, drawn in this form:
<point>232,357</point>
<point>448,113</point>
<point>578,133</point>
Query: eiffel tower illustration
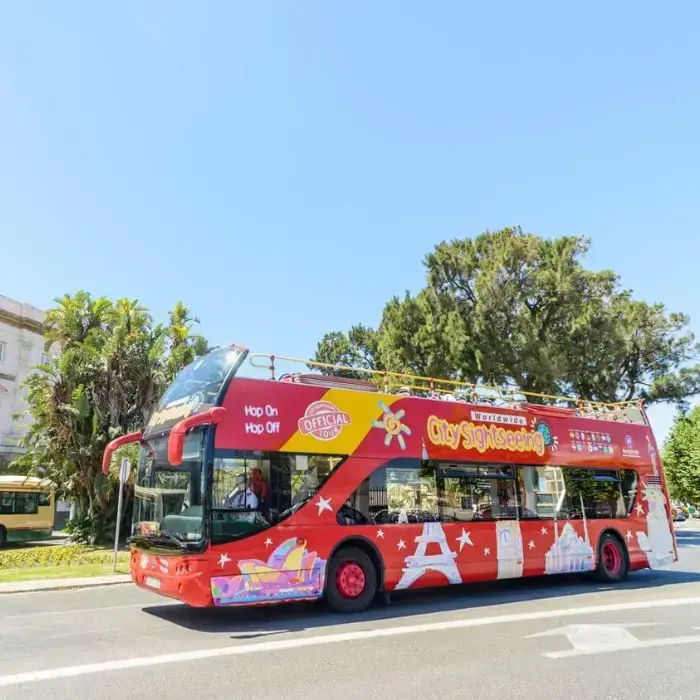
<point>420,563</point>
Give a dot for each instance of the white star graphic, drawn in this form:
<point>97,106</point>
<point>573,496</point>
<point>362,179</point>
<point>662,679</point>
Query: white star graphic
<point>465,538</point>
<point>544,530</point>
<point>268,542</point>
<point>380,533</point>
<point>628,535</point>
<point>640,509</point>
<point>401,544</point>
<point>224,559</point>
<point>487,551</point>
<point>323,504</point>
<point>531,544</point>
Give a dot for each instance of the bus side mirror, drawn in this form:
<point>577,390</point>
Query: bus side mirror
<point>117,442</point>
<point>176,441</point>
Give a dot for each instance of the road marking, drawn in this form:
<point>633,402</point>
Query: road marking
<point>601,639</point>
<point>76,611</point>
<point>279,645</point>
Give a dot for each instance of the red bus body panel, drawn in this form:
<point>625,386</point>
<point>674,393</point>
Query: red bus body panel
<point>371,428</point>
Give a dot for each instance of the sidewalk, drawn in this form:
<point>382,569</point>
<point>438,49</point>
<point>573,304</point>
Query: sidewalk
<point>55,584</point>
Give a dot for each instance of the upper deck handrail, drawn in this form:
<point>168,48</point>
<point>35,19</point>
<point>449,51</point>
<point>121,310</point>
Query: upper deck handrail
<point>388,382</point>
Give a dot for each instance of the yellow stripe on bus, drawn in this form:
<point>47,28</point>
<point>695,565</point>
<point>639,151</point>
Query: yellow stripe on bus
<point>362,407</point>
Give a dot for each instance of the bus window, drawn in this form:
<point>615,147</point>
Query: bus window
<point>628,485</point>
<point>476,492</point>
<point>403,491</point>
<point>541,491</point>
<point>252,491</point>
<point>231,486</point>
<point>19,502</point>
<point>27,503</point>
<point>7,502</point>
<point>593,493</point>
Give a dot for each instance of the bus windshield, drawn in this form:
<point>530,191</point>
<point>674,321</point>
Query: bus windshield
<point>168,500</point>
<point>195,389</point>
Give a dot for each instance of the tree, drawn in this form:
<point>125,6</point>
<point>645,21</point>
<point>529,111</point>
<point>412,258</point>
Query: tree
<point>682,457</point>
<point>114,364</point>
<point>357,348</point>
<point>513,308</point>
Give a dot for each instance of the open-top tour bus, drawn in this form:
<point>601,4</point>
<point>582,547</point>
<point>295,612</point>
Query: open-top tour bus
<point>255,490</point>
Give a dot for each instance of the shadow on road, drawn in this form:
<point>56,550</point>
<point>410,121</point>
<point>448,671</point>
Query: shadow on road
<point>264,621</point>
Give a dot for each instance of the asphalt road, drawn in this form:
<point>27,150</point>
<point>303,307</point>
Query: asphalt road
<point>556,637</point>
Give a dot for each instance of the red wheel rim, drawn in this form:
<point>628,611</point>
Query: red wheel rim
<point>350,579</point>
<point>612,558</point>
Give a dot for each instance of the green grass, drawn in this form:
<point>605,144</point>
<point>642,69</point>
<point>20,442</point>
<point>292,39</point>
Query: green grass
<point>64,561</point>
<point>66,571</point>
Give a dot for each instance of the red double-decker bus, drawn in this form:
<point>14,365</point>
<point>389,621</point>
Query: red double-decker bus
<point>253,491</point>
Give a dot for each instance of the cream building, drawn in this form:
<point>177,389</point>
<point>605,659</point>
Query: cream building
<point>21,348</point>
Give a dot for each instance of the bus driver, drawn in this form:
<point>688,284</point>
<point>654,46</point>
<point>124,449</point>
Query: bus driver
<point>242,497</point>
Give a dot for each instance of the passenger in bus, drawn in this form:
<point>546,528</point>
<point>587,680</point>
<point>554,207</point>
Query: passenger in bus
<point>258,485</point>
<point>242,497</point>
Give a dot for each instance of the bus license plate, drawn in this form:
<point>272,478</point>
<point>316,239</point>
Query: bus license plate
<point>152,582</point>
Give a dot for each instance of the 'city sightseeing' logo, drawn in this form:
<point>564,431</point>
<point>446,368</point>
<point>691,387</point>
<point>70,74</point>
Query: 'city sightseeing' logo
<point>482,438</point>
<point>323,420</point>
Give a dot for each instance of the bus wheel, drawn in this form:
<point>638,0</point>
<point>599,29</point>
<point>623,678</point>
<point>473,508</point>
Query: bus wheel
<point>352,580</point>
<point>3,536</point>
<point>612,560</point>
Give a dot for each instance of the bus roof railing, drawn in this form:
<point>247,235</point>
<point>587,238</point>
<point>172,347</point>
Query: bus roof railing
<point>631,411</point>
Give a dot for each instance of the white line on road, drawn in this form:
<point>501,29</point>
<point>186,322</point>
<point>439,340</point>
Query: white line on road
<point>605,638</point>
<point>259,647</point>
<point>76,611</point>
<point>642,644</point>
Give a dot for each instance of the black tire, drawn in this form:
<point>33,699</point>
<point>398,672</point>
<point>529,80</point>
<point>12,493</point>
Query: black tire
<point>344,567</point>
<point>612,560</point>
<point>3,536</point>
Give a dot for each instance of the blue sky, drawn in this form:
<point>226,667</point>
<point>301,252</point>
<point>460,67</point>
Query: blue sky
<point>283,167</point>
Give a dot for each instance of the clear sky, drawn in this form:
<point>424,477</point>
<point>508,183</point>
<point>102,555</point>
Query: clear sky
<point>283,167</point>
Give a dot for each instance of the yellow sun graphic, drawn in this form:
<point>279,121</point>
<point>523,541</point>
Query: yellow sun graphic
<point>391,422</point>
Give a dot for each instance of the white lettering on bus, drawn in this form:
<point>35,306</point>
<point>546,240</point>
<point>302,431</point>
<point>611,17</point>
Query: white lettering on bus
<point>271,427</point>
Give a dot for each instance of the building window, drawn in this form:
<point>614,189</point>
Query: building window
<point>2,351</point>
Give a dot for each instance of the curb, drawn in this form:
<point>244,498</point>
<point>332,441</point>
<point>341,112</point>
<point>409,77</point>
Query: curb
<point>63,584</point>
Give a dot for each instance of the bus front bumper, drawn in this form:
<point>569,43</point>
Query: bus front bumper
<point>182,578</point>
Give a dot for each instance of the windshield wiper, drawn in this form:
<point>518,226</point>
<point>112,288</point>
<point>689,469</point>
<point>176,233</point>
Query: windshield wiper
<point>172,537</point>
<point>157,538</point>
